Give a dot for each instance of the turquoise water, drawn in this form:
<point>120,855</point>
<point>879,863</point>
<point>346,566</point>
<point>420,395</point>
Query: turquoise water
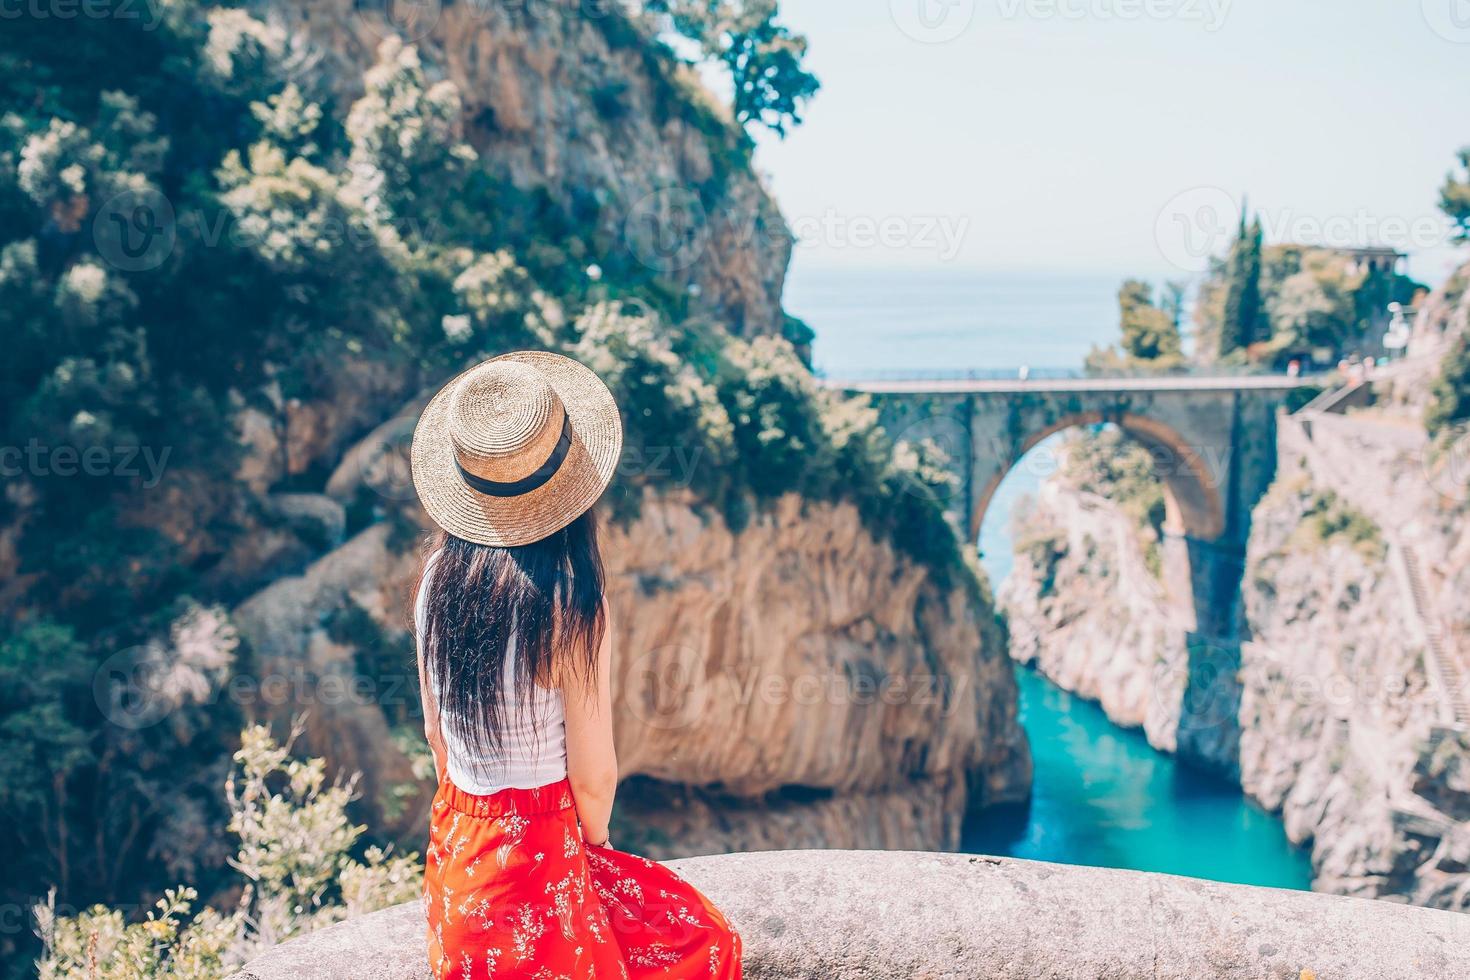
<point>1102,795</point>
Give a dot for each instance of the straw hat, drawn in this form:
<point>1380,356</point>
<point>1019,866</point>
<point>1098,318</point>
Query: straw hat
<point>516,448</point>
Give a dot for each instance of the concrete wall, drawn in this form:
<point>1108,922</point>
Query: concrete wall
<point>900,915</point>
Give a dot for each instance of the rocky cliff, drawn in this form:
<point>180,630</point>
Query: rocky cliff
<point>1338,726</point>
<point>1086,610</point>
<point>797,682</point>
<point>1341,724</point>
<point>565,101</point>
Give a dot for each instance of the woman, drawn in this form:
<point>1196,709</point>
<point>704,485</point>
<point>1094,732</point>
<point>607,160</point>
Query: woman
<point>514,663</point>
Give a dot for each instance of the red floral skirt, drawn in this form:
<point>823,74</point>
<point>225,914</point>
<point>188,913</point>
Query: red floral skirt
<point>511,890</point>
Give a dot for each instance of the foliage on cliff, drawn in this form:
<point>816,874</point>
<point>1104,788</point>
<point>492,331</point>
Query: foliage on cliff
<point>1311,298</point>
<point>1449,405</point>
<point>1454,195</point>
<point>1108,464</point>
<point>1151,338</point>
<point>297,874</point>
<point>187,235</point>
<point>764,59</point>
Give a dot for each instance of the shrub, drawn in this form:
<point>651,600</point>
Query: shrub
<point>1328,518</point>
<point>1450,395</point>
<point>1110,465</point>
<point>295,841</point>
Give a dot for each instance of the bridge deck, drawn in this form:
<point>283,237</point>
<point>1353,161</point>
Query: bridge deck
<point>1183,382</point>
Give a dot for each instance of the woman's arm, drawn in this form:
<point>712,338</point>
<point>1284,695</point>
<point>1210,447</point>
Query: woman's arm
<point>432,731</point>
<point>592,762</point>
<point>430,704</point>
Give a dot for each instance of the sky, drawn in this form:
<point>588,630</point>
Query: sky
<point>1118,136</point>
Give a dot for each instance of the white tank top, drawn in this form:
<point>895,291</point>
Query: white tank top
<point>533,744</point>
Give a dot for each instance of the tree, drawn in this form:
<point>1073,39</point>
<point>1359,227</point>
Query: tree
<point>1171,301</point>
<point>763,57</point>
<point>1150,333</point>
<point>1454,196</point>
<point>1450,394</point>
<point>1240,326</point>
<point>1313,306</point>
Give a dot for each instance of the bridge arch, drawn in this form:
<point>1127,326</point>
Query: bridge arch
<point>1213,440</point>
<point>1194,504</point>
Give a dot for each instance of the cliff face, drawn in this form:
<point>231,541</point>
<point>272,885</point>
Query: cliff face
<point>1338,726</point>
<point>797,682</point>
<point>562,99</point>
<point>814,688</point>
<point>1084,609</point>
<point>1346,718</point>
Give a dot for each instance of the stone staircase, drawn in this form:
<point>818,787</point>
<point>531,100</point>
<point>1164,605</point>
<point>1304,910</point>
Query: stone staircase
<point>1440,658</point>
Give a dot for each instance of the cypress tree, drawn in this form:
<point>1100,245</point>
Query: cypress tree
<point>1240,326</point>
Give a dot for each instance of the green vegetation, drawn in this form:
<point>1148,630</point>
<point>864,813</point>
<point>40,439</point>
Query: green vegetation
<point>1151,334</point>
<point>1311,299</point>
<point>764,58</point>
<point>1239,322</point>
<point>1454,195</point>
<point>1042,547</point>
<point>296,874</point>
<point>1108,464</point>
<point>1328,519</point>
<point>190,230</point>
<point>1449,405</point>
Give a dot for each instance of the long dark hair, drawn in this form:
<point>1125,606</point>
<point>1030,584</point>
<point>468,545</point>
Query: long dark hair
<point>547,595</point>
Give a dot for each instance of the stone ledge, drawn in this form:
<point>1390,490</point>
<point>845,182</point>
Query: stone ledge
<point>894,914</point>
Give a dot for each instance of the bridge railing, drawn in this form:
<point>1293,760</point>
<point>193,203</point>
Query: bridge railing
<point>1033,374</point>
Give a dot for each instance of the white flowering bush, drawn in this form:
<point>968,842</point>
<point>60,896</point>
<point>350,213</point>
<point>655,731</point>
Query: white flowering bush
<point>671,406</point>
<point>294,857</point>
<point>405,137</point>
<point>237,44</point>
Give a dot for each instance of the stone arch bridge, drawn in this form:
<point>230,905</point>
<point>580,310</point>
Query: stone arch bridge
<point>1213,441</point>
